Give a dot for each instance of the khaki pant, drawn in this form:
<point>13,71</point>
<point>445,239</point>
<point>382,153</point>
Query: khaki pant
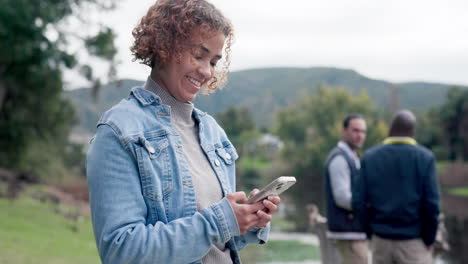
<point>353,251</point>
<point>386,251</point>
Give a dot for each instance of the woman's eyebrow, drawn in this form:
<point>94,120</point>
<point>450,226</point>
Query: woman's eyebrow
<point>206,50</point>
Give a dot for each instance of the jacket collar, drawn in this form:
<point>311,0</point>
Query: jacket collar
<point>400,140</point>
<point>198,114</point>
<point>146,98</point>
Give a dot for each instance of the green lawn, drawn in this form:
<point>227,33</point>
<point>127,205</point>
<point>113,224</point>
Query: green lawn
<point>32,232</point>
<point>278,251</point>
<point>459,191</point>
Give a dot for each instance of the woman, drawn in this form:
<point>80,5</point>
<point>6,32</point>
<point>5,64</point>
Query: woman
<point>161,173</point>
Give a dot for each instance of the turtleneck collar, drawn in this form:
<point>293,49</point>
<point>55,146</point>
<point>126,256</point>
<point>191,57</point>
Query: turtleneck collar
<point>181,112</point>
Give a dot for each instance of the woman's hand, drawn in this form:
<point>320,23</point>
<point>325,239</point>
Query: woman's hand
<point>270,207</point>
<point>246,214</point>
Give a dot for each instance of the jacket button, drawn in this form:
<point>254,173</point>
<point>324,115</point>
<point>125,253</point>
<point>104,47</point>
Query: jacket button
<point>151,149</point>
<point>217,163</point>
<point>227,156</point>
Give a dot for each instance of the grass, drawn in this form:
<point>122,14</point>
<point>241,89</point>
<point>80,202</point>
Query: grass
<point>31,232</point>
<point>279,224</point>
<point>459,191</point>
<point>280,251</point>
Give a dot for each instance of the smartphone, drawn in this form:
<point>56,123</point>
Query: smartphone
<point>277,186</point>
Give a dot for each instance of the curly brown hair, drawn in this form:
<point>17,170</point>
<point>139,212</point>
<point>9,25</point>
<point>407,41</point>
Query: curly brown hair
<point>170,24</point>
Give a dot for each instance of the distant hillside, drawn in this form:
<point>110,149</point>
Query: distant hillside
<point>265,91</point>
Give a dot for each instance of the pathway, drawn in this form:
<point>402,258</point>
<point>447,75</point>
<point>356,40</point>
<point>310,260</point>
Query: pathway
<point>306,238</point>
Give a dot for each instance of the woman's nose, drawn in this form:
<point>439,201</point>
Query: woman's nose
<point>205,70</point>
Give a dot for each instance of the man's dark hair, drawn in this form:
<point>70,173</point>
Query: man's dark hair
<point>350,117</point>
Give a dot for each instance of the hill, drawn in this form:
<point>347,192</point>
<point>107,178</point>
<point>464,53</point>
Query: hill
<point>265,91</point>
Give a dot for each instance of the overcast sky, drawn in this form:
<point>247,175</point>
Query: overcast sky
<point>393,40</point>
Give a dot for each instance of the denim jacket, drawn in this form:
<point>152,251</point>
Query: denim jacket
<point>142,199</point>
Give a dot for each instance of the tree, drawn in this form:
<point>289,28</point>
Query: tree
<point>429,132</point>
<point>454,122</point>
<point>239,125</point>
<point>240,128</point>
<point>235,121</point>
<point>34,52</point>
<point>310,129</point>
<point>444,128</point>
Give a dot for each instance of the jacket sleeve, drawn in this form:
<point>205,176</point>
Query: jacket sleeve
<point>430,204</point>
<point>254,235</point>
<point>119,213</point>
<point>360,201</point>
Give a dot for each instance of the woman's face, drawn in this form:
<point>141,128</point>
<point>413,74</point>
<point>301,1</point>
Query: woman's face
<point>183,79</point>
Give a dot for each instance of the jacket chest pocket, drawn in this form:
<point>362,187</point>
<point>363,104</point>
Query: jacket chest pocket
<point>223,163</point>
<point>227,155</point>
<point>154,164</point>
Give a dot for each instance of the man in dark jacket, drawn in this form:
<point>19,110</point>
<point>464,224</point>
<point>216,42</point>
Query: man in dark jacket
<point>342,167</point>
<point>397,196</point>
